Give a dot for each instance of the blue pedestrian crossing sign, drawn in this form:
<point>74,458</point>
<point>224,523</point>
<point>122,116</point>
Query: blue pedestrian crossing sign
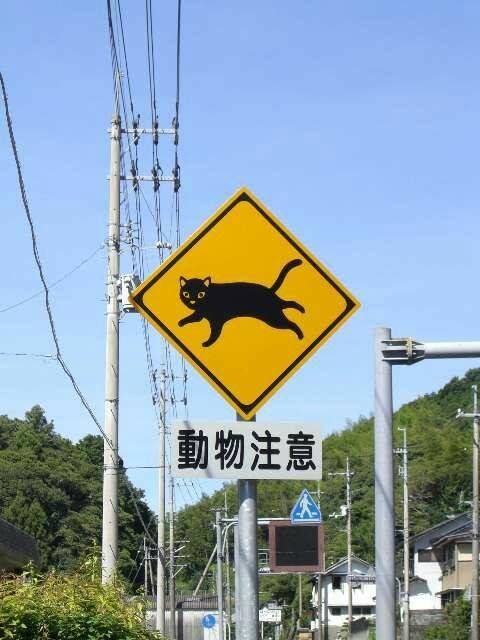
<point>209,621</point>
<point>305,510</point>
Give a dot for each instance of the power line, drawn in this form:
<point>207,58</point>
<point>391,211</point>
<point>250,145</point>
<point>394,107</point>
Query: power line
<point>38,262</point>
<point>30,355</point>
<point>58,356</point>
<point>54,283</point>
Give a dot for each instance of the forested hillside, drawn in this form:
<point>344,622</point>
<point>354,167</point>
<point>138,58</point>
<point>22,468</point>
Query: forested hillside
<point>440,476</point>
<point>52,489</point>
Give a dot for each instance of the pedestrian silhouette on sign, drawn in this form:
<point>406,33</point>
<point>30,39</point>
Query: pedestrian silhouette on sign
<point>305,507</point>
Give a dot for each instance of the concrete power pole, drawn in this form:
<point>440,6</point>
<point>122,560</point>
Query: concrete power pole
<point>406,539</point>
<point>348,476</point>
<point>475,529</point>
<point>319,583</point>
<point>227,570</point>
<point>110,446</point>
<point>160,622</point>
<point>171,579</point>
<point>218,528</point>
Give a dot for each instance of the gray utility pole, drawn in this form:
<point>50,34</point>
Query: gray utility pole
<point>388,352</point>
<point>227,570</point>
<point>145,574</point>
<point>319,579</point>
<point>218,528</point>
<point>110,444</point>
<point>160,622</point>
<point>171,575</point>
<point>348,476</point>
<point>246,597</point>
<point>475,532</point>
<point>406,538</point>
<point>300,600</point>
<point>110,448</point>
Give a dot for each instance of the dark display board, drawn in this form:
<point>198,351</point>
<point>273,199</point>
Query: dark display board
<point>295,548</point>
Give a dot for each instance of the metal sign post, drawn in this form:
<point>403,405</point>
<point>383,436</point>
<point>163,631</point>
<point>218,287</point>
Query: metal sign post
<point>246,596</point>
<point>391,351</point>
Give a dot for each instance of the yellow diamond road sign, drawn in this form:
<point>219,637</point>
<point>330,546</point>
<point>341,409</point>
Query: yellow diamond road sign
<point>244,302</point>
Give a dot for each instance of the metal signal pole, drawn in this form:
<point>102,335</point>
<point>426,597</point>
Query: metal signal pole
<point>406,539</point>
<point>475,528</point>
<point>388,352</point>
<point>110,446</point>
<point>160,622</point>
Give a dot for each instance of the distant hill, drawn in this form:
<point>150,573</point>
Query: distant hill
<point>440,476</point>
<point>52,489</point>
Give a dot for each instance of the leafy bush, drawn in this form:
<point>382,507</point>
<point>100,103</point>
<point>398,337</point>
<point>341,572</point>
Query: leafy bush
<point>76,607</point>
<point>457,626</point>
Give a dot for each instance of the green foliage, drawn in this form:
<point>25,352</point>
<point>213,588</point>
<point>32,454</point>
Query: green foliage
<point>76,607</point>
<point>52,489</point>
<point>457,626</point>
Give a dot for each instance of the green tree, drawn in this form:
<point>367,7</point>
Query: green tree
<point>52,489</point>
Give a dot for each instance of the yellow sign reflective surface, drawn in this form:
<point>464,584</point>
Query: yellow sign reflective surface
<point>244,302</point>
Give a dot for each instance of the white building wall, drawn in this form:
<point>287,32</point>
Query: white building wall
<point>335,601</point>
<point>431,572</point>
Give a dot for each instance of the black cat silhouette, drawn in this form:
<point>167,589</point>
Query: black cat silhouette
<point>219,303</point>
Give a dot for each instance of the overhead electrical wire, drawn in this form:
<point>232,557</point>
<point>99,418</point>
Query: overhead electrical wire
<point>55,282</point>
<point>58,355</point>
<point>38,262</point>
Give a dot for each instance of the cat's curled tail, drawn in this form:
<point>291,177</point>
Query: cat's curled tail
<point>283,273</point>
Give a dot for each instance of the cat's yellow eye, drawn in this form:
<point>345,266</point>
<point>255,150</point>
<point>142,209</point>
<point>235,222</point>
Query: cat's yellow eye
<point>186,294</point>
<point>201,294</point>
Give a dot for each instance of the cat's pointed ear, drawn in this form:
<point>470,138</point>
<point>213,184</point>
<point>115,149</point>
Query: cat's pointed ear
<point>183,282</point>
<point>208,281</point>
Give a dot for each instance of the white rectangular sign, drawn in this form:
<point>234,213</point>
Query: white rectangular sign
<point>270,615</point>
<point>246,450</point>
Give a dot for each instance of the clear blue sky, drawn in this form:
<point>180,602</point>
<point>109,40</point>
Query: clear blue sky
<point>355,122</point>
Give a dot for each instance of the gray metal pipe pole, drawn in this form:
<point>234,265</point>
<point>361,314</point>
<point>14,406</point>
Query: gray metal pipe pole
<point>451,349</point>
<point>110,447</point>
<point>160,622</point>
<point>218,527</point>
<point>171,575</point>
<point>246,598</point>
<point>384,494</point>
<point>475,545</point>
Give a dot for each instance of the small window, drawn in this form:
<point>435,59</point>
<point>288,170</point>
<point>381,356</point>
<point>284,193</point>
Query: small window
<point>336,611</point>
<point>365,611</point>
<point>426,555</point>
<point>337,583</point>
